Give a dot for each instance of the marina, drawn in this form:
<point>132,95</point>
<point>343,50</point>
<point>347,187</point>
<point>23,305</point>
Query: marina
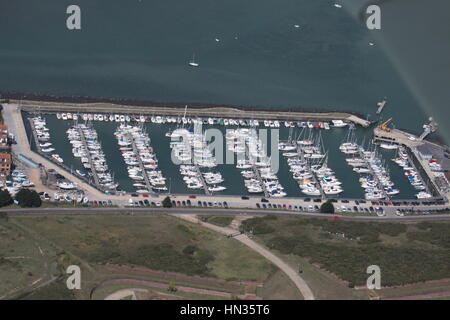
<point>305,172</point>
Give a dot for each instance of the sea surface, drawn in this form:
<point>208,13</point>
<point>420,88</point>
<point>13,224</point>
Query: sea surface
<point>139,49</point>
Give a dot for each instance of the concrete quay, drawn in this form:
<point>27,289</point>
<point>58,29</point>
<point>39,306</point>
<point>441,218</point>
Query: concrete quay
<point>191,111</point>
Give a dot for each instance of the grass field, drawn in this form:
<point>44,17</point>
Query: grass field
<point>131,247</point>
<point>25,260</point>
<point>221,221</point>
<point>334,255</point>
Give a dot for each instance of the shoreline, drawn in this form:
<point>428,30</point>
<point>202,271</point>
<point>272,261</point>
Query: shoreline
<point>50,103</point>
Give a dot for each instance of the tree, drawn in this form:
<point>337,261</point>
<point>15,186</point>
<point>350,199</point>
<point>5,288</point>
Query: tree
<point>172,287</point>
<point>327,207</point>
<point>28,198</point>
<point>167,203</point>
<point>5,198</point>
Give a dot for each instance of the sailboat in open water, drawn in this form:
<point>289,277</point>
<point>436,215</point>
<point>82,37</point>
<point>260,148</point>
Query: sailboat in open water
<point>192,63</point>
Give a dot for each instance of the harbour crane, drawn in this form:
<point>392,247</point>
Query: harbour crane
<point>384,125</point>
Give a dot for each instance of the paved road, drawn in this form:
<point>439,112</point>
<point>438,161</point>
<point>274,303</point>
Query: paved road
<point>194,211</point>
<point>287,269</point>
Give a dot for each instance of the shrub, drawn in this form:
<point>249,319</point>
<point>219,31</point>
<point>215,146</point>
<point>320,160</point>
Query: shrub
<point>167,203</point>
<point>257,225</point>
<point>327,207</point>
<point>5,198</point>
<point>28,198</point>
<point>190,249</point>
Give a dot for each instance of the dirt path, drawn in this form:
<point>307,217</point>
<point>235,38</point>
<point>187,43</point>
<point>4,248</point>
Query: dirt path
<point>291,273</point>
<point>165,286</point>
<point>237,221</point>
<point>119,295</point>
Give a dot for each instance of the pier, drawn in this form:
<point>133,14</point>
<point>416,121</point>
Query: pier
<point>316,182</point>
<point>36,140</point>
<point>412,143</point>
<point>372,173</point>
<point>256,171</point>
<point>202,179</point>
<point>141,164</point>
<point>91,163</point>
<point>413,163</point>
<point>192,111</point>
<point>258,176</point>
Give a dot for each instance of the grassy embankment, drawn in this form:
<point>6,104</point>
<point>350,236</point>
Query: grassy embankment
<point>334,255</point>
<point>155,248</point>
